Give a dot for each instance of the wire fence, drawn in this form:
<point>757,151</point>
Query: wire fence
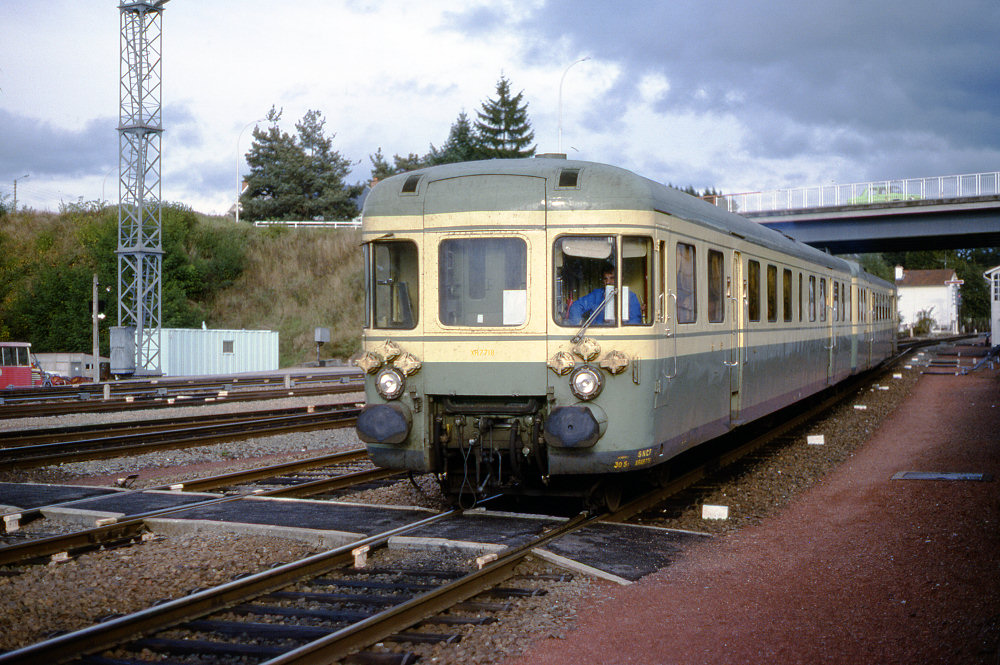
<point>863,193</point>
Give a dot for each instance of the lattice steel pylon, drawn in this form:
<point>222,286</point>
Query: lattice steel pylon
<point>135,342</point>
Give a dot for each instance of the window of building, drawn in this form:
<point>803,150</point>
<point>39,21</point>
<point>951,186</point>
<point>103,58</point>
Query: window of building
<point>687,291</point>
<point>227,346</point>
<point>716,286</point>
<point>482,282</point>
<point>753,290</point>
<point>393,285</point>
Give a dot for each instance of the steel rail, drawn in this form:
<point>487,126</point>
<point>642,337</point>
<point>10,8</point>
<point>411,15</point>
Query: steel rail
<point>115,631</point>
<point>103,430</point>
<point>134,387</point>
<point>340,643</point>
<point>123,445</point>
<point>42,409</point>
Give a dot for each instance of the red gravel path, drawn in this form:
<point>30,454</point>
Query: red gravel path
<point>861,569</point>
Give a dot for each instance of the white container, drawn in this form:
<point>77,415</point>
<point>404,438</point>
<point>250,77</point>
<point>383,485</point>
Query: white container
<point>200,352</point>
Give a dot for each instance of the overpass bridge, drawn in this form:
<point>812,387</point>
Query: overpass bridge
<point>943,212</point>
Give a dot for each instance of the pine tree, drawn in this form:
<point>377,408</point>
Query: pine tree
<point>296,177</point>
<point>461,145</point>
<point>503,129</point>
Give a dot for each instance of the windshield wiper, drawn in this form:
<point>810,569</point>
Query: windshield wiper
<point>593,315</point>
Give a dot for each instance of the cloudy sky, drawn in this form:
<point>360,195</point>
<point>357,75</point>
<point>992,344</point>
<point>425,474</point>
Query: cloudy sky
<point>731,94</point>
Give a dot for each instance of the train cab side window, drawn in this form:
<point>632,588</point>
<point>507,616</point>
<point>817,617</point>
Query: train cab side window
<point>822,299</point>
<point>772,293</point>
<point>482,282</point>
<point>786,294</point>
<point>812,297</point>
<point>585,280</point>
<point>661,283</point>
<point>687,284</point>
<point>716,287</point>
<point>393,289</point>
<point>637,280</point>
<point>753,290</point>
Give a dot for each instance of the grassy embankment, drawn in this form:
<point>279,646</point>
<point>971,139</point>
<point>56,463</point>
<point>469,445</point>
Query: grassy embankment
<point>289,280</point>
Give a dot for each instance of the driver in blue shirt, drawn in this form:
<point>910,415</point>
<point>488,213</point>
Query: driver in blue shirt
<point>582,307</point>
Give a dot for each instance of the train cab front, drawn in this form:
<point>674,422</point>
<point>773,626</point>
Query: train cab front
<point>496,347</point>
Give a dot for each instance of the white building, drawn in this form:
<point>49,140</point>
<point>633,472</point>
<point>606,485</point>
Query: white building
<point>933,291</point>
<point>993,277</point>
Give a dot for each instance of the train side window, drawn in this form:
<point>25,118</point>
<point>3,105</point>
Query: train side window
<point>687,285</point>
<point>822,299</point>
<point>772,293</point>
<point>753,290</point>
<point>637,280</point>
<point>716,286</point>
<point>836,300</point>
<point>394,284</point>
<point>812,297</point>
<point>800,297</point>
<point>482,282</point>
<point>586,273</point>
<point>786,294</point>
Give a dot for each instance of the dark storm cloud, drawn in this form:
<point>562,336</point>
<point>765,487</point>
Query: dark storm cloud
<point>796,73</point>
<point>30,145</point>
<point>35,146</point>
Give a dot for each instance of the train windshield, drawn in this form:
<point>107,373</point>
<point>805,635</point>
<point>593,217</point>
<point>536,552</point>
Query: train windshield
<point>483,282</point>
<point>393,285</point>
<point>14,356</point>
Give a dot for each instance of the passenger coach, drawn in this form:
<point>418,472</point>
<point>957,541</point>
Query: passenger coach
<point>543,325</point>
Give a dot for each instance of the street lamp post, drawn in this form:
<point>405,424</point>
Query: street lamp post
<point>15,191</point>
<point>565,71</point>
<point>239,182</point>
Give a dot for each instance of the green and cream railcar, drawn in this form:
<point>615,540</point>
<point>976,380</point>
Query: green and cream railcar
<point>534,323</point>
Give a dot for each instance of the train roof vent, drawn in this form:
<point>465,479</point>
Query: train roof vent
<point>410,186</point>
<point>568,178</point>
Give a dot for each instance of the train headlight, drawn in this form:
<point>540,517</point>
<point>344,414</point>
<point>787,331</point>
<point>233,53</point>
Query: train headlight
<point>586,382</point>
<point>389,383</point>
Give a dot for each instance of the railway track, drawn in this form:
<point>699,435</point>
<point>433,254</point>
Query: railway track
<point>311,608</point>
<point>40,403</point>
<point>45,448</point>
